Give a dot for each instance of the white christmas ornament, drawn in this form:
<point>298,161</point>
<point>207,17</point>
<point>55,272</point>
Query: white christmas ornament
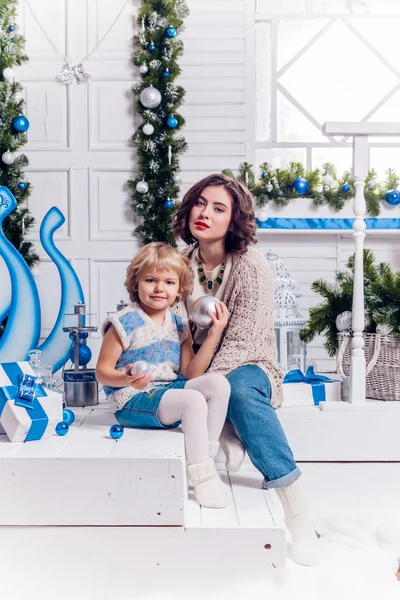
<point>8,74</point>
<point>143,69</point>
<point>8,157</point>
<point>200,309</point>
<point>150,97</point>
<point>142,187</point>
<point>148,129</point>
<point>371,184</point>
<point>327,179</point>
<point>18,96</point>
<point>344,320</point>
<point>177,179</point>
<point>262,214</point>
<point>35,272</point>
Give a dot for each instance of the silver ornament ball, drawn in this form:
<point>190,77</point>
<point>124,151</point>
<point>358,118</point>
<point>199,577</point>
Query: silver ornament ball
<point>142,187</point>
<point>200,309</point>
<point>150,97</point>
<point>367,321</point>
<point>371,184</point>
<point>143,69</point>
<point>8,157</point>
<point>343,321</point>
<point>327,179</point>
<point>262,214</point>
<point>148,129</point>
<point>142,366</point>
<point>35,272</point>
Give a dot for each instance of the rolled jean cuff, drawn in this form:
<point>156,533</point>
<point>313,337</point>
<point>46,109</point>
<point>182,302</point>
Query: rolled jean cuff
<point>282,481</point>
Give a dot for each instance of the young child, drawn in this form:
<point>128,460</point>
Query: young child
<point>175,391</point>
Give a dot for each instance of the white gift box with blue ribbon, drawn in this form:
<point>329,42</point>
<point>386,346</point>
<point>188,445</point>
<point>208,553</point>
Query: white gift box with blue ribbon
<point>27,410</point>
<point>309,389</point>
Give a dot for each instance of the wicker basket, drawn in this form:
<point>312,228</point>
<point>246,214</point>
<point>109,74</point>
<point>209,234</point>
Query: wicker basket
<point>382,355</point>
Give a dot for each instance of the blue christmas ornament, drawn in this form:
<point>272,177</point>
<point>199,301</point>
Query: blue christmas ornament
<point>300,185</point>
<point>62,428</point>
<point>345,188</point>
<point>168,203</point>
<point>116,431</point>
<point>68,416</point>
<point>171,32</point>
<point>83,335</point>
<point>11,28</point>
<point>172,122</point>
<point>166,73</point>
<point>22,186</point>
<point>263,174</point>
<point>85,355</point>
<point>393,197</point>
<point>152,47</point>
<point>20,124</point>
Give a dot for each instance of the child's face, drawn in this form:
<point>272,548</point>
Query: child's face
<point>158,289</point>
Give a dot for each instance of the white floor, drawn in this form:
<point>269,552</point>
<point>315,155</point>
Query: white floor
<point>357,512</point>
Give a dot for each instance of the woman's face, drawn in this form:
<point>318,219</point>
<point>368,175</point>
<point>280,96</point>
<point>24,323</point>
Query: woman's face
<point>211,214</point>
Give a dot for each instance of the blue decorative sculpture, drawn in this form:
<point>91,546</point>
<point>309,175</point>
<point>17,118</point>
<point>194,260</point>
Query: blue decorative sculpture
<point>22,331</point>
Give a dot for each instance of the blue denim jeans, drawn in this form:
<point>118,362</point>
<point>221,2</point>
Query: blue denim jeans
<point>257,425</point>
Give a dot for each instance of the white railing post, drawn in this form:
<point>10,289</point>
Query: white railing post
<point>360,171</point>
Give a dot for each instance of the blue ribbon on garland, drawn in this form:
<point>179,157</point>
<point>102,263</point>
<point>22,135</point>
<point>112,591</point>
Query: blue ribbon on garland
<point>328,224</point>
<point>317,382</point>
<point>24,395</point>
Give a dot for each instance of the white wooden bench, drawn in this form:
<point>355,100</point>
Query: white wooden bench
<point>85,513</point>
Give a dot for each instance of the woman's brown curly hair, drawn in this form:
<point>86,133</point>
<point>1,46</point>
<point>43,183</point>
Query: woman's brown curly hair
<point>242,228</point>
<point>159,256</point>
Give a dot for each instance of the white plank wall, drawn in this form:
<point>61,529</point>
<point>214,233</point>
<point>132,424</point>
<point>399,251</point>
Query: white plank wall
<point>79,141</point>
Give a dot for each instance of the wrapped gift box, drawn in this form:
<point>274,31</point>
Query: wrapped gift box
<point>309,389</point>
<point>27,410</point>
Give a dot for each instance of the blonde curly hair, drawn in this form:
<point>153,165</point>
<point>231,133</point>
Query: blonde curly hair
<point>159,256</point>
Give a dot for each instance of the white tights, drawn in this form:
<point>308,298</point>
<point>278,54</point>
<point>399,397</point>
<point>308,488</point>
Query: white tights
<point>202,407</point>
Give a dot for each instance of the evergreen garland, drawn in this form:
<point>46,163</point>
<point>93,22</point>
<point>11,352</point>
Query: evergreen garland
<point>276,186</point>
<point>381,301</point>
<point>12,53</point>
<point>156,48</point>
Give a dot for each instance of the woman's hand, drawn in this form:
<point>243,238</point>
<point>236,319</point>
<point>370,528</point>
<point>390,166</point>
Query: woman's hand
<point>138,381</point>
<point>219,320</point>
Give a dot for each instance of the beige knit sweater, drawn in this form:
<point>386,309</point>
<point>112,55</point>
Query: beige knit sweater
<point>249,337</point>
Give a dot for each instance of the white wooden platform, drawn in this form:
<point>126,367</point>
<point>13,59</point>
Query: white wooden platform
<point>118,511</point>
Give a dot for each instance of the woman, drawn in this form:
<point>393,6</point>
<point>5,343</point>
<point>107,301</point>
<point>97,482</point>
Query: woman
<point>216,219</point>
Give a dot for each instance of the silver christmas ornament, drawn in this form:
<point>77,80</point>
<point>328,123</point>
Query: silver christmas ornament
<point>384,329</point>
<point>140,365</point>
<point>8,74</point>
<point>8,157</point>
<point>367,321</point>
<point>169,155</point>
<point>177,179</point>
<point>343,321</point>
<point>371,184</point>
<point>150,97</point>
<point>142,187</point>
<point>35,272</point>
<point>71,71</point>
<point>200,309</point>
<point>148,129</point>
<point>143,69</point>
<point>327,179</point>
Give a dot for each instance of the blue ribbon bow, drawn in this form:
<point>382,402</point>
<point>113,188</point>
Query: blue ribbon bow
<point>25,395</point>
<point>317,382</point>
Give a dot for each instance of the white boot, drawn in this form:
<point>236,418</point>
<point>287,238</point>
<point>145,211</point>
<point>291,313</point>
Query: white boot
<point>208,490</point>
<point>298,521</point>
<point>232,448</point>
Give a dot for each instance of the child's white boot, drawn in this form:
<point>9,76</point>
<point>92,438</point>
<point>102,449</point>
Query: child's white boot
<point>208,487</point>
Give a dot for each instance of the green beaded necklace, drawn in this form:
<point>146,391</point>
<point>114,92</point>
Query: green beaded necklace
<point>210,282</point>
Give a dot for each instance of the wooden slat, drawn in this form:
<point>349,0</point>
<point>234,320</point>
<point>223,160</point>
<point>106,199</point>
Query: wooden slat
<point>251,508</point>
